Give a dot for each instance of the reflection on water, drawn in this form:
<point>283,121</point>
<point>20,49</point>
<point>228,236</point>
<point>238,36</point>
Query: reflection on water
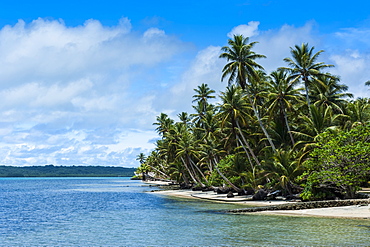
<point>116,212</point>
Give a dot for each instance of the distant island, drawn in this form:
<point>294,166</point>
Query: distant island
<point>66,171</point>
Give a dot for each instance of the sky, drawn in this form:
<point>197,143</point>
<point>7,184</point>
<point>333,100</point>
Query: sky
<point>82,82</point>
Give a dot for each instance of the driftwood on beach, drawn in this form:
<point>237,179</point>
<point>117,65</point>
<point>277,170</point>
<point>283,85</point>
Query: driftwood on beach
<point>303,205</point>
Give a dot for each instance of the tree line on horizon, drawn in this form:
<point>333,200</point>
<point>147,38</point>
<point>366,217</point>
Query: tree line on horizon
<point>296,129</point>
<point>66,171</point>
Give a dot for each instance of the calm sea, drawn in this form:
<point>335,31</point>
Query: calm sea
<point>118,212</point>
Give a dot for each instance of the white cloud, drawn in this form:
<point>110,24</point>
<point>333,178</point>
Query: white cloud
<point>68,93</point>
<point>249,30</point>
<point>205,68</point>
<point>275,44</point>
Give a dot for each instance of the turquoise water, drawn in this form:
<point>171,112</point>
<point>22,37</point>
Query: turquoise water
<point>117,212</point>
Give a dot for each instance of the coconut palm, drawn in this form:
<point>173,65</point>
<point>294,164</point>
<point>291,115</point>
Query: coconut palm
<point>141,158</point>
<point>241,64</point>
<point>164,124</point>
<point>186,152</point>
<point>331,93</point>
<point>303,65</point>
<point>242,68</point>
<point>203,93</point>
<point>284,168</point>
<point>358,112</point>
<point>234,110</point>
<point>281,95</point>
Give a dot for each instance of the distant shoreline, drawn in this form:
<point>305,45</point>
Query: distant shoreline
<point>65,171</point>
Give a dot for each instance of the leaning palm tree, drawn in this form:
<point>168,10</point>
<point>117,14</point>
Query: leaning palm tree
<point>242,68</point>
<point>303,66</point>
<point>234,110</point>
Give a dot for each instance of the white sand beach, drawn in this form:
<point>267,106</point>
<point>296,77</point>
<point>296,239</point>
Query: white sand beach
<point>357,211</point>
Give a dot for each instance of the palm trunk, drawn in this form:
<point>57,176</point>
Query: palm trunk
<point>225,178</point>
<point>194,172</point>
<point>306,89</point>
<point>287,126</point>
<point>189,171</point>
<point>185,178</point>
<point>261,124</point>
<point>159,171</point>
<point>246,152</point>
<point>246,143</point>
<point>201,173</point>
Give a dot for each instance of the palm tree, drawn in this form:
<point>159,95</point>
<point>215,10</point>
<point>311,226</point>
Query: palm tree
<point>141,158</point>
<point>284,168</point>
<point>358,112</point>
<point>242,68</point>
<point>303,66</point>
<point>241,65</point>
<point>331,93</point>
<point>186,151</point>
<point>281,95</point>
<point>203,93</point>
<point>164,124</point>
<point>184,118</point>
<point>234,110</point>
<point>210,153</point>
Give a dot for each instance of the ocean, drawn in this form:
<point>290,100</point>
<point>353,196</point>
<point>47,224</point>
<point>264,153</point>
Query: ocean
<point>123,212</point>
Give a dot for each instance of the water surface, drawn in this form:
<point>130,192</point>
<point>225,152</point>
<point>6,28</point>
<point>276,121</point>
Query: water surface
<point>119,212</point>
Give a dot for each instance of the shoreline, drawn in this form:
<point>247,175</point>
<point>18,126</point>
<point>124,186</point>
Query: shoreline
<point>361,211</point>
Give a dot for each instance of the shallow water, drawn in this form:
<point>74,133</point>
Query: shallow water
<point>117,212</point>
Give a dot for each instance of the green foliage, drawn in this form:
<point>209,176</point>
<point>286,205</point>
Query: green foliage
<point>234,168</point>
<point>262,130</point>
<point>339,163</point>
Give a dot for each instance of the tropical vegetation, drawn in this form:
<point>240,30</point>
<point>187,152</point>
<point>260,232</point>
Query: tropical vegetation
<point>296,129</point>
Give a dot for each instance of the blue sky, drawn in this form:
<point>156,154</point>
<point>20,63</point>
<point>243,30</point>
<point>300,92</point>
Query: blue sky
<point>81,82</point>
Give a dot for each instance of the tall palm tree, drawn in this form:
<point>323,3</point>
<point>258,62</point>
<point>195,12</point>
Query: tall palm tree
<point>203,93</point>
<point>241,64</point>
<point>281,95</point>
<point>303,66</point>
<point>242,68</point>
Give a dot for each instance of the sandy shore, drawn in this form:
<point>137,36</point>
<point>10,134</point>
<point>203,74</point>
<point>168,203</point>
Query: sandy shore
<point>356,212</point>
<point>359,212</point>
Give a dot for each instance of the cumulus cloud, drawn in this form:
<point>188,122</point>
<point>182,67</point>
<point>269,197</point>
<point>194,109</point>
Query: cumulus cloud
<point>205,68</point>
<point>275,44</point>
<point>249,30</point>
<point>68,93</point>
